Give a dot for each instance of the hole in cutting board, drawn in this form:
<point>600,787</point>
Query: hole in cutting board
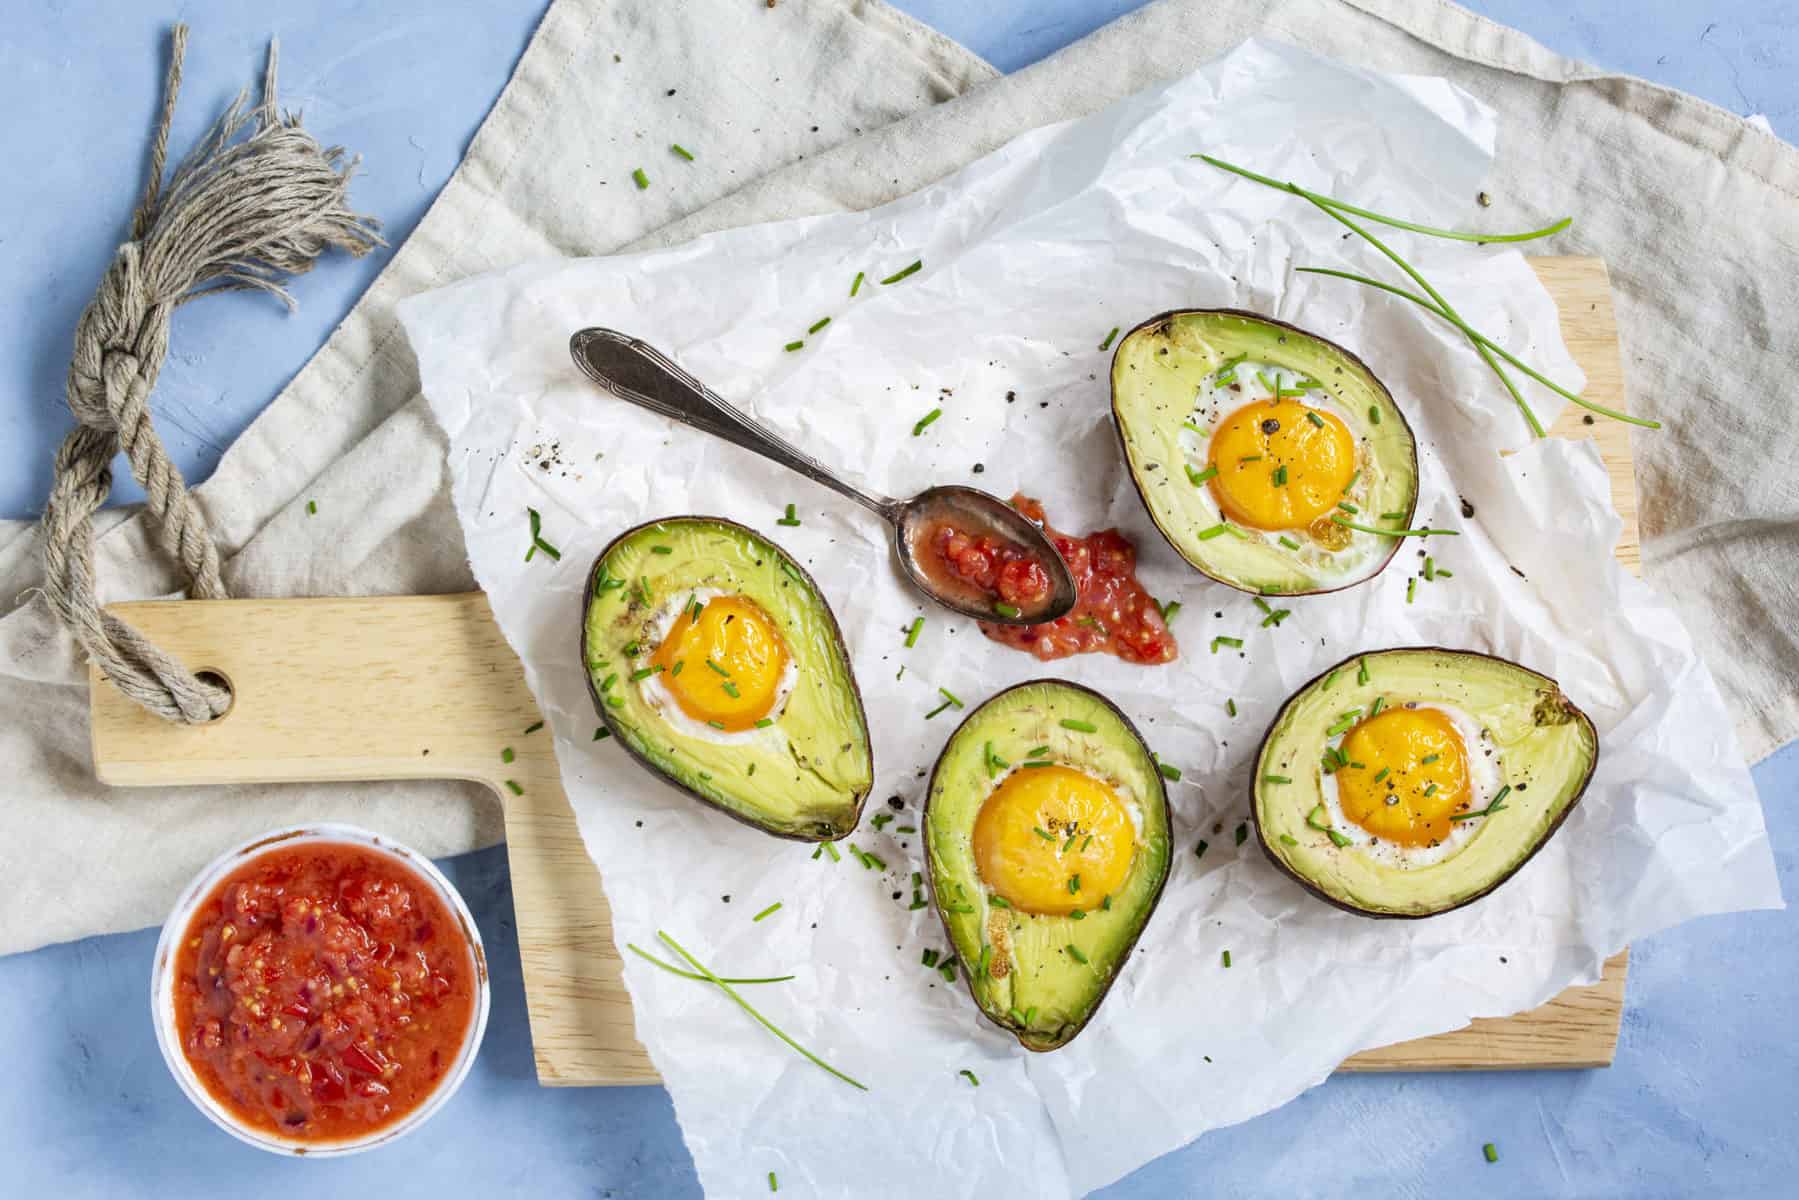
<point>218,679</point>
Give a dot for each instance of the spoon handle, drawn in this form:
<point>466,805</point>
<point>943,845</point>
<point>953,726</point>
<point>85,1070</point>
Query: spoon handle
<point>638,372</point>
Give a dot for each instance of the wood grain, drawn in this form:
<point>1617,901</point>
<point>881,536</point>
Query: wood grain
<point>425,687</point>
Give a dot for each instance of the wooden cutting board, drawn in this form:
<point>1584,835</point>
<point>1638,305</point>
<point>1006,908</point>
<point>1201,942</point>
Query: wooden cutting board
<point>425,687</point>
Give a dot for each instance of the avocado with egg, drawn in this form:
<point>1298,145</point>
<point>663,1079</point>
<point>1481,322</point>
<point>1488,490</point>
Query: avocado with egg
<point>1405,783</point>
<point>1047,835</point>
<point>714,660</point>
<point>1257,446</point>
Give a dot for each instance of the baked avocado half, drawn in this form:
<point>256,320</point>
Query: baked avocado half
<point>1406,783</point>
<point>1046,828</point>
<point>1256,446</point>
<point>714,659</point>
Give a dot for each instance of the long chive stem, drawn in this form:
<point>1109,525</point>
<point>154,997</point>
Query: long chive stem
<point>1490,344</point>
<point>674,970</point>
<point>747,1007</point>
<point>1332,202</point>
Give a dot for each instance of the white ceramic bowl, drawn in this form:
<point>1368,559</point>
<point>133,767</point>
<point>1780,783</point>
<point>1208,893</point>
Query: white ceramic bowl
<point>162,987</point>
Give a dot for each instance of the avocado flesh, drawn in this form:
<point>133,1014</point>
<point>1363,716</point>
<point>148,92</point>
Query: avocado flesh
<point>805,776</point>
<point>1544,746</point>
<point>1158,370</point>
<point>1040,973</point>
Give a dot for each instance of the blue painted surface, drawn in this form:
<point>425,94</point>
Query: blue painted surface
<point>1701,1097</point>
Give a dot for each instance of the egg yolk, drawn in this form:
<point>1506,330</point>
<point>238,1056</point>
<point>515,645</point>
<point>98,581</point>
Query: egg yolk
<point>1052,840</point>
<point>723,666</point>
<point>1281,464</point>
<point>1413,774</point>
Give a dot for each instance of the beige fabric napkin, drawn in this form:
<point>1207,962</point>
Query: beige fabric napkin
<point>1693,208</point>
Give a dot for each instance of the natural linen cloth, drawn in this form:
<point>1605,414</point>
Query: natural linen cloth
<point>1693,208</point>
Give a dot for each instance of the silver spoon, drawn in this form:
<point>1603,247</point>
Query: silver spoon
<point>643,375</point>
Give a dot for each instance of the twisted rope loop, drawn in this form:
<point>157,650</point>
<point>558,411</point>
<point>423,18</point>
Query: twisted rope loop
<point>256,201</point>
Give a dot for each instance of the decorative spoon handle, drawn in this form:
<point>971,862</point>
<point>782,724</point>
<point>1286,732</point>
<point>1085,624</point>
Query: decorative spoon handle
<point>635,371</point>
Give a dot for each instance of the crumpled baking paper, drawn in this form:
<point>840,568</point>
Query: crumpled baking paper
<point>1030,255</point>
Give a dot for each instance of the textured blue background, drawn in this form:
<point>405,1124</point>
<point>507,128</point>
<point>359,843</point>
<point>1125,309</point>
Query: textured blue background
<point>1703,1093</point>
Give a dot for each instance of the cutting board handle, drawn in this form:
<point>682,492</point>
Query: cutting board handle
<point>398,687</point>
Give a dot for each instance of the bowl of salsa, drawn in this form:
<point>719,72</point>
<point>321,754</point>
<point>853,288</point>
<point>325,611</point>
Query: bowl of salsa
<point>319,990</point>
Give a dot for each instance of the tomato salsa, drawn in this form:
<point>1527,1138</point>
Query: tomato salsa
<point>983,569</point>
<point>1115,614</point>
<point>323,991</point>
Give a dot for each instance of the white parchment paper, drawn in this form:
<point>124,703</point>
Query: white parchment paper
<point>1030,255</point>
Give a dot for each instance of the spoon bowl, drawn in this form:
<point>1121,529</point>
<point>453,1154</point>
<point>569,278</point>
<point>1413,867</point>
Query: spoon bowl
<point>635,371</point>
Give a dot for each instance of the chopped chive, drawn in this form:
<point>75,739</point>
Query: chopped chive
<point>1242,834</point>
<point>1318,818</point>
<point>769,911</point>
<point>643,673</point>
<point>730,689</point>
<point>1379,703</point>
<point>716,667</point>
<point>1288,542</point>
<point>1198,477</point>
<point>312,508</point>
<point>697,965</point>
<point>1225,379</point>
<point>1038,752</point>
<point>856,286</point>
<point>1006,610</point>
<point>1107,344</point>
<point>716,724</point>
<point>640,179</point>
<point>1314,418</point>
<point>1079,726</point>
<point>600,733</point>
<point>925,421</point>
<point>789,517</point>
<point>773,1186</point>
<point>790,347</point>
<point>818,324</point>
<point>1490,1151</point>
<point>1266,382</point>
<point>986,959</point>
<point>1230,707</point>
<point>1411,589</point>
<point>1393,516</point>
<point>937,710</point>
<point>1442,574</point>
<point>963,909</point>
<point>764,722</point>
<point>1225,641</point>
<point>1074,952</point>
<point>1336,838</point>
<point>1374,414</point>
<point>1199,851</point>
<point>930,957</point>
<point>1361,673</point>
<point>1227,959</point>
<point>1249,458</point>
<point>1430,568</point>
<point>1171,773</point>
<point>905,829</point>
<point>903,272</point>
<point>1330,679</point>
<point>615,701</point>
<point>969,1075</point>
<point>1069,844</point>
<point>662,549</point>
<point>1206,535</point>
<point>1261,604</point>
<point>1040,832</point>
<point>831,849</point>
<point>678,148</point>
<point>1276,779</point>
<point>950,696</point>
<point>913,632</point>
<point>999,901</point>
<point>1429,788</point>
<point>1074,884</point>
<point>506,755</point>
<point>1279,476</point>
<point>1288,839</point>
<point>1169,609</point>
<point>1395,532</point>
<point>1352,479</point>
<point>1042,762</point>
<point>512,785</point>
<point>1078,915</point>
<point>1381,774</point>
<point>1347,507</point>
<point>1429,758</point>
